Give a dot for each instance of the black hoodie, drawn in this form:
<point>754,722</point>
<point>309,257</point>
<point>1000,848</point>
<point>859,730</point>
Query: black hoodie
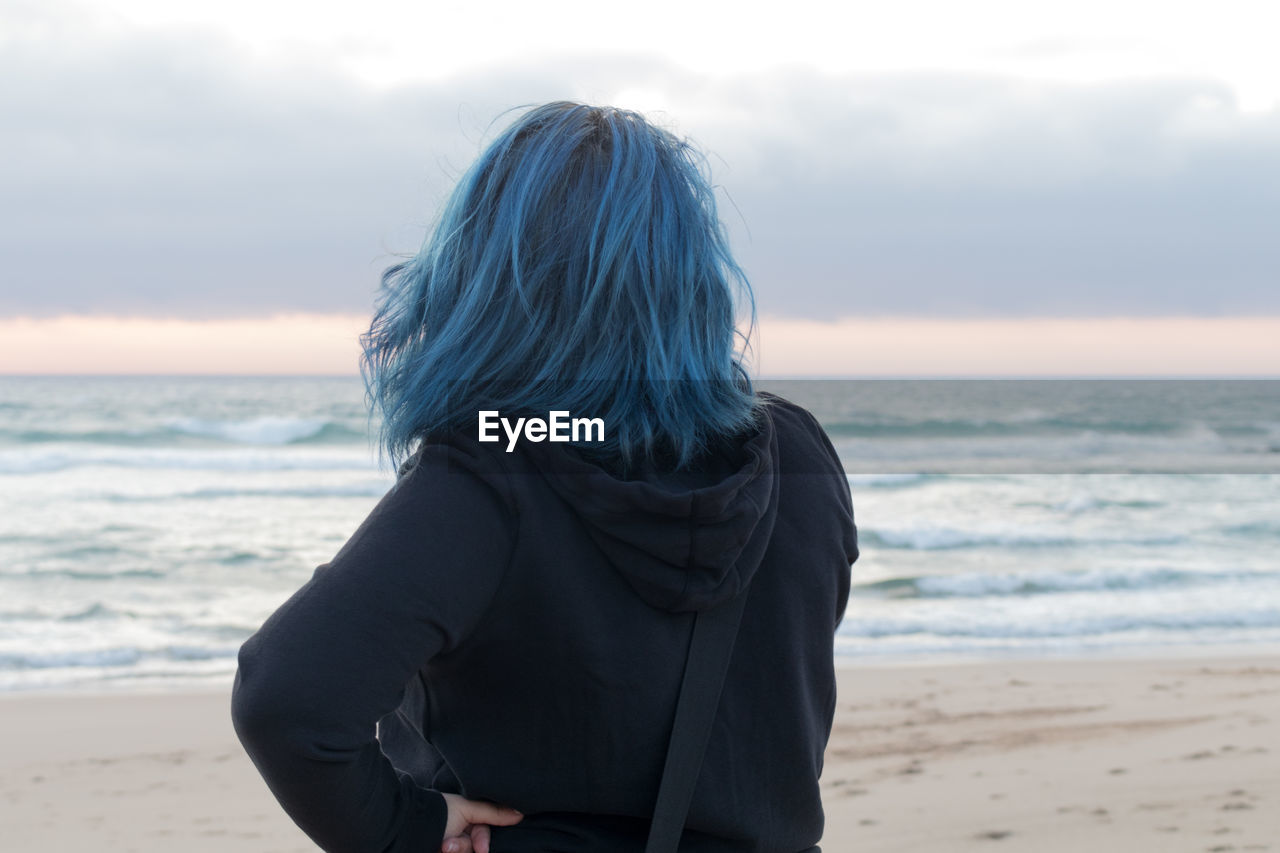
<point>513,627</point>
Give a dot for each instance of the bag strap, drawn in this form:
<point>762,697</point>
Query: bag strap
<point>714,632</point>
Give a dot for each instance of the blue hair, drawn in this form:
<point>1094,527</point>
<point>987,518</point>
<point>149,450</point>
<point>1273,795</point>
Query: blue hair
<point>579,264</point>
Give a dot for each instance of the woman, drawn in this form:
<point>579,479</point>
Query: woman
<point>508,628</point>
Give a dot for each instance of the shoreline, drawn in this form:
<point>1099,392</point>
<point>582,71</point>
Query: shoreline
<point>1133,653</point>
<point>1152,752</point>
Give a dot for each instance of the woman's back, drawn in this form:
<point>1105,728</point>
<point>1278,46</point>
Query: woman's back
<point>561,699</point>
<point>554,606</point>
<point>511,623</point>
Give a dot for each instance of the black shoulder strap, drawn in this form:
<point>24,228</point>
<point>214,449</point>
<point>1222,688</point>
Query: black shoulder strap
<point>714,632</point>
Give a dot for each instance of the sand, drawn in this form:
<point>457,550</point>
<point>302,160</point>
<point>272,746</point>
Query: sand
<point>1158,754</point>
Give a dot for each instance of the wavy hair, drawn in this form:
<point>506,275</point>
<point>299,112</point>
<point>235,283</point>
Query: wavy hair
<point>579,264</point>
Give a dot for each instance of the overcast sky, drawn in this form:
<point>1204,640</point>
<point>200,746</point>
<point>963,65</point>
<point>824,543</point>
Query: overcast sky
<point>230,159</point>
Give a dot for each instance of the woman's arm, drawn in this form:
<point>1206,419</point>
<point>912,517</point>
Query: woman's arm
<point>411,583</point>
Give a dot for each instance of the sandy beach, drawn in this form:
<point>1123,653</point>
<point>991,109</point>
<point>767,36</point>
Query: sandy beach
<point>1160,754</point>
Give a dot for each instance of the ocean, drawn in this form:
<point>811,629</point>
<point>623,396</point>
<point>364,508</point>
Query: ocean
<point>149,525</point>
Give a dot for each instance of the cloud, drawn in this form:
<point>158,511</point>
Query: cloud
<point>172,174</point>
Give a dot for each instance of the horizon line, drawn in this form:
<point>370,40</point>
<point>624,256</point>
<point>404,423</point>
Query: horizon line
<point>762,378</point>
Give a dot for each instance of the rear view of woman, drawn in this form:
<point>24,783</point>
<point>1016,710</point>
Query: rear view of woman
<point>508,629</point>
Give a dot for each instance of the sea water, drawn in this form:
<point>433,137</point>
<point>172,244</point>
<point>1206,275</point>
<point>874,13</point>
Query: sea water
<point>149,525</point>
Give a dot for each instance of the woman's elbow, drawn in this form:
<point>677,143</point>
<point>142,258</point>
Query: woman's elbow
<point>262,713</point>
<point>279,718</point>
<point>255,714</point>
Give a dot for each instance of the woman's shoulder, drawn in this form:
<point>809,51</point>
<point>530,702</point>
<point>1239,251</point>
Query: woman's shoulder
<point>803,440</point>
<point>777,403</point>
<point>455,463</point>
<point>788,414</point>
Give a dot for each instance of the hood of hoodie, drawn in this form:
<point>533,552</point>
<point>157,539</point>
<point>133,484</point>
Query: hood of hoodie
<point>680,544</point>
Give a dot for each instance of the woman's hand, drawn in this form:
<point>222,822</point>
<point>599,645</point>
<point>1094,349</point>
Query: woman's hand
<point>467,829</point>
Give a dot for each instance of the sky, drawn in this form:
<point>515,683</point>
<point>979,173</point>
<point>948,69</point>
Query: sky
<point>913,188</point>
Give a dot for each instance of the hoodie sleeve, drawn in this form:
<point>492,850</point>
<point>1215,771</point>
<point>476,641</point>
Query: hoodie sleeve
<point>848,527</point>
<point>312,683</point>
